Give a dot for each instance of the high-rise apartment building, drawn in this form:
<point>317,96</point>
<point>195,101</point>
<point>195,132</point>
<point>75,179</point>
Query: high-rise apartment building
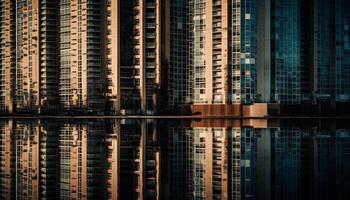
<point>286,54</point>
<point>224,52</point>
<point>178,44</point>
<point>36,59</point>
<point>82,58</point>
<point>7,54</point>
<point>147,52</point>
<point>29,55</point>
<point>133,55</point>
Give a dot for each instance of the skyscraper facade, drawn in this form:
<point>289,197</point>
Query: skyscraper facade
<point>152,56</point>
<point>82,59</point>
<point>178,44</point>
<point>7,53</point>
<point>32,27</point>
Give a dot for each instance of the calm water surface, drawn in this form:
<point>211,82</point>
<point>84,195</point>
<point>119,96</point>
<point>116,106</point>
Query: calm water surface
<point>174,159</point>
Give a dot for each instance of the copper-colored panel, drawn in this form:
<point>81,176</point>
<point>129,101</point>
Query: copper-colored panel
<point>217,109</point>
<point>255,110</point>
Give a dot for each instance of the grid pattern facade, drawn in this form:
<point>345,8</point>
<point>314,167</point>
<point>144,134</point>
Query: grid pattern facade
<point>81,80</point>
<point>7,16</point>
<point>248,50</point>
<point>148,56</point>
<point>179,53</point>
<point>342,51</point>
<point>286,51</point>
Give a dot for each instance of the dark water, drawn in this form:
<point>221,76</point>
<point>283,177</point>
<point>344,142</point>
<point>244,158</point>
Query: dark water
<point>174,159</point>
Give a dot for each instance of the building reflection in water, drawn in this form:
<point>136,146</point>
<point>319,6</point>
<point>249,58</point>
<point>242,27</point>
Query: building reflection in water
<point>148,159</point>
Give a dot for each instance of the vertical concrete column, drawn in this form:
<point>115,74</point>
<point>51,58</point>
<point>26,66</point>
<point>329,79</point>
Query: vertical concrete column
<point>225,5</point>
<point>208,45</point>
<point>115,53</point>
<point>158,52</point>
<point>84,40</point>
<point>141,28</point>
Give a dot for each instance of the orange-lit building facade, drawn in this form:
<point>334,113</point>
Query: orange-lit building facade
<point>214,57</point>
<point>29,55</point>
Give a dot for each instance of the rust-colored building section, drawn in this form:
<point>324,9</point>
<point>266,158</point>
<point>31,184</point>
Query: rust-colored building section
<point>217,109</point>
<point>234,110</point>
